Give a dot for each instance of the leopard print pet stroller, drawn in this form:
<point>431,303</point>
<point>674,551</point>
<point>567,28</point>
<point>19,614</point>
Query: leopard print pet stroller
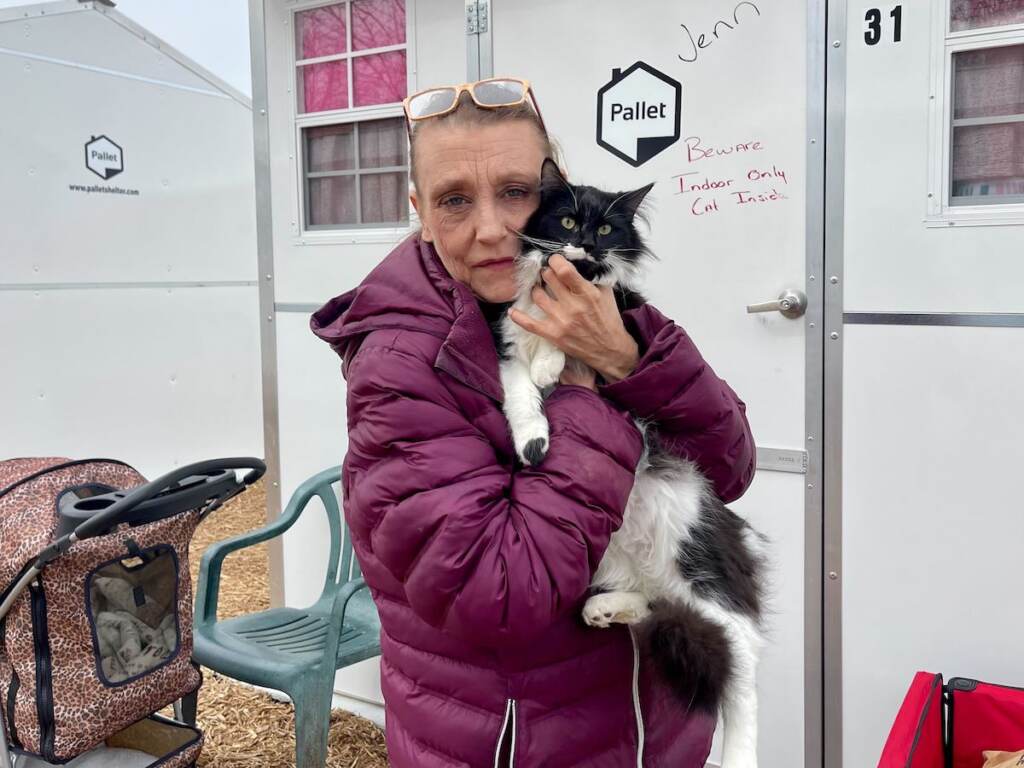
<point>96,604</point>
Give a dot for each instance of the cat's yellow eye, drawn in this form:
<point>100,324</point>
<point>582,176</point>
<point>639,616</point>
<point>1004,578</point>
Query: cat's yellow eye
<point>604,229</point>
<point>569,222</point>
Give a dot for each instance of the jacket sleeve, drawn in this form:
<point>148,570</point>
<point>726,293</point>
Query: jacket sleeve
<point>697,415</point>
<point>485,552</point>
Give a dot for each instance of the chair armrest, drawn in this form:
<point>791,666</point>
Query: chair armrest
<point>208,586</point>
<point>343,595</point>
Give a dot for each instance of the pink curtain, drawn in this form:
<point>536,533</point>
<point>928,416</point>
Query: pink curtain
<point>378,78</point>
<point>324,86</point>
<point>320,32</point>
<point>376,23</point>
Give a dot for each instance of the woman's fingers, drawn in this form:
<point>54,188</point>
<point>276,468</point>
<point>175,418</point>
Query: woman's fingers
<point>529,323</point>
<point>564,278</point>
<point>544,301</point>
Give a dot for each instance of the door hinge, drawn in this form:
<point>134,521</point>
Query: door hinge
<point>477,13</point>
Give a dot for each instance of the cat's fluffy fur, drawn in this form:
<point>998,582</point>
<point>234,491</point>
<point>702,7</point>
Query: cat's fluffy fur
<point>683,568</point>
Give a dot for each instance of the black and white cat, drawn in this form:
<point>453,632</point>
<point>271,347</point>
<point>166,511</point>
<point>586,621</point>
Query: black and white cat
<point>682,567</point>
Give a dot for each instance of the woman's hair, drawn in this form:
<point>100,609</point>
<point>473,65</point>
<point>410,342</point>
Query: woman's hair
<point>467,112</point>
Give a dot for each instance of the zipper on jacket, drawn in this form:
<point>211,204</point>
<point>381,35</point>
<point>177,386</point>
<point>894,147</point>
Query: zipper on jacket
<point>12,695</point>
<point>510,719</point>
<point>44,670</point>
<point>636,702</point>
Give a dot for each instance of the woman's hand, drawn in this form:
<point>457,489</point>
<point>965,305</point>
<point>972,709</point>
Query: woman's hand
<point>582,320</point>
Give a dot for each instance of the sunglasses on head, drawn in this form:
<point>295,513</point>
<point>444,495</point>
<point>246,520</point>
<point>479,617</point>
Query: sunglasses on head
<point>492,93</point>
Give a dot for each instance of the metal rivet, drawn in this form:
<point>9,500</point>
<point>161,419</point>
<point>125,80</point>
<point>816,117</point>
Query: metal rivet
<point>275,483</point>
<point>929,194</point>
<point>270,318</point>
<point>812,141</point>
<point>811,277</point>
<point>810,485</point>
<point>836,43</point>
<point>268,277</point>
<point>833,279</point>
<point>833,335</point>
<point>810,325</point>
<point>833,575</point>
<point>810,438</point>
<point>263,111</point>
<point>932,96</point>
<point>952,223</point>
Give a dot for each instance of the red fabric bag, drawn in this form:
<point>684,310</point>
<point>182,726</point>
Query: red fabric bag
<point>951,726</point>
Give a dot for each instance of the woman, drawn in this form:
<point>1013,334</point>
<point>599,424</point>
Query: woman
<point>478,566</point>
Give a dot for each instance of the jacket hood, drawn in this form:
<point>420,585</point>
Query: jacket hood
<point>411,290</point>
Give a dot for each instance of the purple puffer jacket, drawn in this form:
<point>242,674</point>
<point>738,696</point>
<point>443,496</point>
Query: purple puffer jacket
<point>479,569</point>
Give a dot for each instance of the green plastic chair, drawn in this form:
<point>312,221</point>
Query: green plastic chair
<point>288,649</point>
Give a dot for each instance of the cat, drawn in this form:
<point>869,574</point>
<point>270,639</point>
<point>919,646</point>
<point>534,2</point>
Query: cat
<point>683,568</point>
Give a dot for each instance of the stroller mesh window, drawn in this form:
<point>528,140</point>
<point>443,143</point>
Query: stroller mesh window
<point>133,610</point>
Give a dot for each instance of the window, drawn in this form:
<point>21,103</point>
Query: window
<point>988,126</point>
<point>977,134</point>
<point>350,61</point>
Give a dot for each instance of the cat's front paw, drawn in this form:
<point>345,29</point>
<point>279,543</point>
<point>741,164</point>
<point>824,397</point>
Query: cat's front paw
<point>531,441</point>
<point>610,608</point>
<point>546,367</point>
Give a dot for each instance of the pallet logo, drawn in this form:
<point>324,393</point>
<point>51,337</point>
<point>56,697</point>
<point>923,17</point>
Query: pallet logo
<point>103,157</point>
<point>638,113</point>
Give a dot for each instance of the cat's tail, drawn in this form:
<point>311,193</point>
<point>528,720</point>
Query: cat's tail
<point>691,653</point>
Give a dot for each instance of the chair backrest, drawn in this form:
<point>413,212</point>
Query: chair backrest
<point>342,565</point>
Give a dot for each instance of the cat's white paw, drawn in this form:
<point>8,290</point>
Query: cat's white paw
<point>546,367</point>
<point>610,608</point>
<point>530,438</point>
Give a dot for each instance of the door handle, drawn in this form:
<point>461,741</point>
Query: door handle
<point>791,303</point>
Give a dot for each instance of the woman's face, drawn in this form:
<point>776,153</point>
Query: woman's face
<point>478,185</point>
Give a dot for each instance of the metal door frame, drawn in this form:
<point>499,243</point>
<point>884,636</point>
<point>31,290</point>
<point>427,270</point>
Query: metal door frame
<point>833,55</point>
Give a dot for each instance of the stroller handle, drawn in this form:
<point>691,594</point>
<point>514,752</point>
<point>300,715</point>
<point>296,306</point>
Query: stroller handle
<point>213,491</point>
<point>168,484</point>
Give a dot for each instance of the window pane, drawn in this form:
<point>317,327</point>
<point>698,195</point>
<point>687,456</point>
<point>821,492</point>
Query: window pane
<point>332,200</point>
<point>320,32</point>
<point>988,82</point>
<point>378,79</point>
<point>988,163</point>
<point>376,23</point>
<point>384,197</point>
<point>971,14</point>
<point>323,86</point>
<point>330,148</point>
<point>382,143</point>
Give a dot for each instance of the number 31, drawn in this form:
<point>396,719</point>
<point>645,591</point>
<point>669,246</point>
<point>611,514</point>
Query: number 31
<point>873,17</point>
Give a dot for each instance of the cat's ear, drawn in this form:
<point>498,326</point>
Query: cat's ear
<point>629,202</point>
<point>551,177</point>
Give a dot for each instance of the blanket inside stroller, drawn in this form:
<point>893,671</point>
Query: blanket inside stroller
<point>134,631</point>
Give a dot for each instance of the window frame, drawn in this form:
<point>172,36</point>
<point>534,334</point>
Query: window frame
<point>941,211</point>
<point>327,234</point>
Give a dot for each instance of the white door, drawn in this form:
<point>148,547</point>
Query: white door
<point>728,226</point>
<point>931,343</point>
